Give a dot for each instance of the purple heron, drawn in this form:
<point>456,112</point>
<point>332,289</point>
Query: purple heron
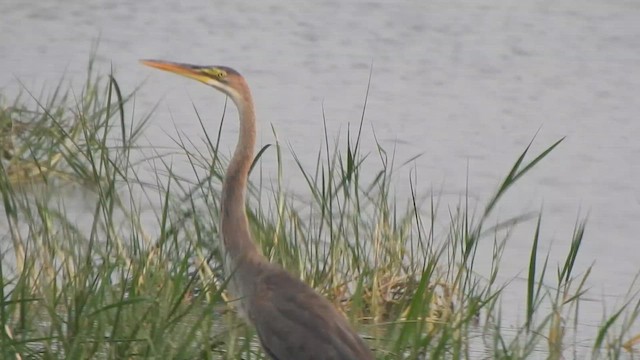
<point>291,319</point>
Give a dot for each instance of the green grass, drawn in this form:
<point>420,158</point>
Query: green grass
<point>115,283</point>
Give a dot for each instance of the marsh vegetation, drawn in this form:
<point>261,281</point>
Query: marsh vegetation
<point>134,272</point>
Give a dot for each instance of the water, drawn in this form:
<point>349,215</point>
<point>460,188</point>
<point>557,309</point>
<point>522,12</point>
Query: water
<point>465,84</point>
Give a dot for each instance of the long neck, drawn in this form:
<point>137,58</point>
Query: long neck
<point>235,226</point>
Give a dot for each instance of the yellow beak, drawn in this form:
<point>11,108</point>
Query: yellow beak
<point>190,71</point>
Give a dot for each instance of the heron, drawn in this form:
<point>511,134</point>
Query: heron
<point>291,319</point>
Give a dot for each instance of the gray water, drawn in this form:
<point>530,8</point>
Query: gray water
<point>466,84</point>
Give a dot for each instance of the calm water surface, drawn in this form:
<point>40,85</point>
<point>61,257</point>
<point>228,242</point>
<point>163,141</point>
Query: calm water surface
<point>465,84</point>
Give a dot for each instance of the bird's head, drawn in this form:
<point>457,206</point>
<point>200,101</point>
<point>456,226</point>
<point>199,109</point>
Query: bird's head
<point>222,78</point>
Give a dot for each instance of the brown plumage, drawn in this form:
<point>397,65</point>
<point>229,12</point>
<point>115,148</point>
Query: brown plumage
<point>291,319</point>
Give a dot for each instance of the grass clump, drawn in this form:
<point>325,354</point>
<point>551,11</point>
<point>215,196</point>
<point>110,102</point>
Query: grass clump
<point>89,272</point>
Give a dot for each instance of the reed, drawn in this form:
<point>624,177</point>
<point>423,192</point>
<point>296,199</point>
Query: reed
<point>87,272</point>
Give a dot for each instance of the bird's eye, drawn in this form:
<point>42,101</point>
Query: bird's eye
<point>215,73</point>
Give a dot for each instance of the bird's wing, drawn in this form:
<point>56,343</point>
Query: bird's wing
<point>294,322</point>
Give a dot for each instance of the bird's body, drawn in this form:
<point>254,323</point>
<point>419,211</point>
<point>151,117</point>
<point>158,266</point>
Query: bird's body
<point>291,319</point>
